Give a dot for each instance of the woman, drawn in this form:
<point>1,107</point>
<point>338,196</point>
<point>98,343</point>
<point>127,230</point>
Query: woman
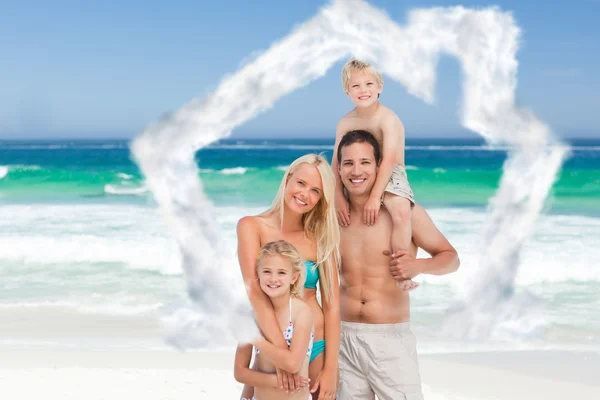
<point>303,215</point>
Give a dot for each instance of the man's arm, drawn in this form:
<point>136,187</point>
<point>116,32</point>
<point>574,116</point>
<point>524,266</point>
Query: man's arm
<point>444,258</point>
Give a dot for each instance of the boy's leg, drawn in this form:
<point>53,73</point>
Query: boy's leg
<point>400,211</point>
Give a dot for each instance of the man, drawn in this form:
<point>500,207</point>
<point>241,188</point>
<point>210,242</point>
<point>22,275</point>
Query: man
<point>378,350</point>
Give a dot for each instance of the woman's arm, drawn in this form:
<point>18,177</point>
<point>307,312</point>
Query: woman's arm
<point>331,312</point>
<point>248,236</point>
<point>291,359</point>
<point>243,373</point>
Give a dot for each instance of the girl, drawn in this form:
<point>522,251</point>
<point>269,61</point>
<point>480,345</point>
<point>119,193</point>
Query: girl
<point>281,276</point>
<point>303,215</point>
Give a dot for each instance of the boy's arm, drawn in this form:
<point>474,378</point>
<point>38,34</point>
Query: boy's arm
<point>341,204</point>
<point>393,133</point>
<point>290,359</point>
<point>334,162</point>
<point>243,373</point>
<point>393,136</point>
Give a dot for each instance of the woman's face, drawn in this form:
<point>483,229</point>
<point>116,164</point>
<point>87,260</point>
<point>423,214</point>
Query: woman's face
<point>304,189</point>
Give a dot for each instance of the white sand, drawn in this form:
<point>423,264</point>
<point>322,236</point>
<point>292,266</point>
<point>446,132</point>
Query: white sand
<point>50,354</point>
<point>165,375</point>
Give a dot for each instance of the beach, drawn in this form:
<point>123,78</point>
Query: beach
<point>95,303</point>
<point>165,375</point>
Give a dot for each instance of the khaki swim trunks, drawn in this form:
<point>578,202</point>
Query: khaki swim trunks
<point>398,184</point>
<point>378,359</point>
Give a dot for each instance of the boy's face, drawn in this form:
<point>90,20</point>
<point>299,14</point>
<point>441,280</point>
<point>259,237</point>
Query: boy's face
<point>363,89</point>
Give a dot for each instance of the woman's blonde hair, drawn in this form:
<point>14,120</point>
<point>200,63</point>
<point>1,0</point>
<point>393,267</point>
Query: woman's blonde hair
<point>320,223</point>
<point>356,65</point>
<point>287,251</point>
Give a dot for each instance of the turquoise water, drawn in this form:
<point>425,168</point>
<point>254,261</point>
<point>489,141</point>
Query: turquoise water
<point>441,172</point>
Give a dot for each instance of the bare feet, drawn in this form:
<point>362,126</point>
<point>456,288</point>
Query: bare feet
<point>408,285</point>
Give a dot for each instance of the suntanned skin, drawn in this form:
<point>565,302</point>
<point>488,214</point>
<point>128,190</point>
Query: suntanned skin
<point>368,292</point>
<point>370,115</point>
<point>254,232</point>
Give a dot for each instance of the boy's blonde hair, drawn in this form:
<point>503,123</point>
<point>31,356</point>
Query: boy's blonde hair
<point>320,223</point>
<point>287,251</point>
<point>356,65</point>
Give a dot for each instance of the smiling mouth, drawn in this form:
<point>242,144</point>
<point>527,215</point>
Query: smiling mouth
<point>364,97</point>
<point>273,286</point>
<point>300,202</point>
<point>357,181</point>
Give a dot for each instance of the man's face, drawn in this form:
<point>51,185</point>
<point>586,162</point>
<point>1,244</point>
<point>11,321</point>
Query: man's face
<point>358,168</point>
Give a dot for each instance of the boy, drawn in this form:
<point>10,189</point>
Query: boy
<point>363,85</point>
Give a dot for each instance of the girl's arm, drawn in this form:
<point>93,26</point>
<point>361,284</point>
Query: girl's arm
<point>243,373</point>
<point>248,248</point>
<point>291,359</point>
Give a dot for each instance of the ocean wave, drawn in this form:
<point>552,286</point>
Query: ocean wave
<point>105,304</point>
<point>73,146</point>
<point>271,147</point>
<point>124,190</point>
<point>234,171</point>
<point>123,175</point>
<point>3,171</point>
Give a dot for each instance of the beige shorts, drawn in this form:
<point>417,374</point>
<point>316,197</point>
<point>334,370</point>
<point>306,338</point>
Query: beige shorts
<point>398,184</point>
<point>378,359</point>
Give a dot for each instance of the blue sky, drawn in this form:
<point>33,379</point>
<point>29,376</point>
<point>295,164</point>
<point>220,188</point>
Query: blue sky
<point>72,69</point>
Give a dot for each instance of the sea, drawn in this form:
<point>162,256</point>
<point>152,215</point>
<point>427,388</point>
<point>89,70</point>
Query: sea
<point>81,233</point>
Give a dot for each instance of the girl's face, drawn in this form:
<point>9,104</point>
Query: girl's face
<point>304,189</point>
<point>276,275</point>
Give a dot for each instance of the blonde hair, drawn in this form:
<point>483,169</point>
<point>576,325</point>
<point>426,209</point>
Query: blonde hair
<point>288,252</point>
<point>356,65</point>
<point>320,223</point>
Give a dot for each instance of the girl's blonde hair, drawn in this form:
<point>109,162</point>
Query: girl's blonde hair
<point>320,223</point>
<point>287,251</point>
<point>356,65</point>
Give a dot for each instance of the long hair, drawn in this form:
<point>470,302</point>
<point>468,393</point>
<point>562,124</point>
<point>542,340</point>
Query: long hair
<point>287,251</point>
<point>320,223</point>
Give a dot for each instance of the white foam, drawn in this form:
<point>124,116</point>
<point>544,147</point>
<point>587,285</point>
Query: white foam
<point>123,175</point>
<point>124,190</point>
<point>3,171</point>
<point>234,171</point>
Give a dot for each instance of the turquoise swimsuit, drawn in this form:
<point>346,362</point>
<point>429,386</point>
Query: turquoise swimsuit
<point>312,277</point>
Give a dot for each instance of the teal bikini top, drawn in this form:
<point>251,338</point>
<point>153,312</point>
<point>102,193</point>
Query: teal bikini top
<point>312,275</point>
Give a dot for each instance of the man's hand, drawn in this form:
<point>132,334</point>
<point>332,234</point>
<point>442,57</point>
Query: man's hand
<point>342,209</point>
<point>327,381</point>
<point>371,211</point>
<point>288,382</point>
<point>404,266</point>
